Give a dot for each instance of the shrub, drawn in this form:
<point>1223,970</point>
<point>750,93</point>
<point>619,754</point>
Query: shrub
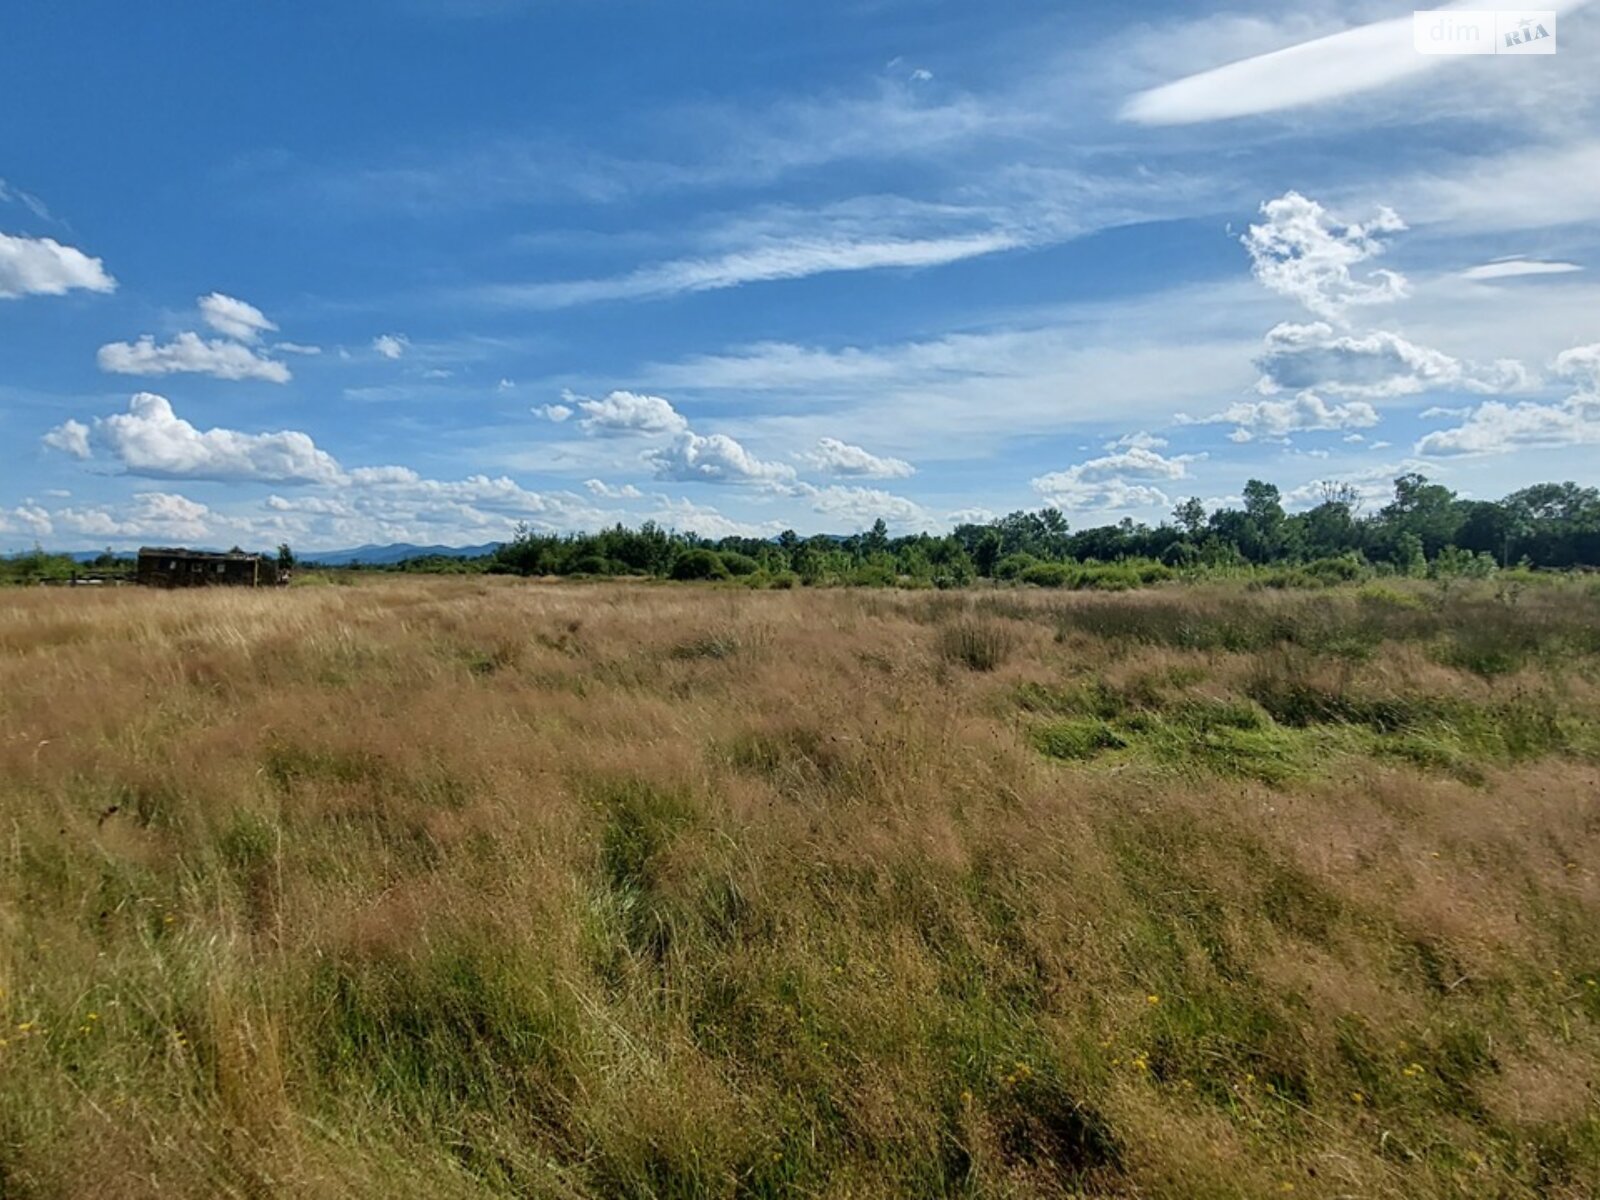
<point>590,564</point>
<point>873,575</point>
<point>1012,566</point>
<point>739,564</point>
<point>699,564</point>
<point>1050,575</point>
<point>979,645</point>
<point>1343,569</point>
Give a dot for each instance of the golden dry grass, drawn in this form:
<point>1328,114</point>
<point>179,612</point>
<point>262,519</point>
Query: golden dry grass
<point>474,887</point>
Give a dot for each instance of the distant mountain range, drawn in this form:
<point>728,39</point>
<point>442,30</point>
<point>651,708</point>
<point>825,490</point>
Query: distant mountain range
<point>379,556</point>
<point>376,556</point>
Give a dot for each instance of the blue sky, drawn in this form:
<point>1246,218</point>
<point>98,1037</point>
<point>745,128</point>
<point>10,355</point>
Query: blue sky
<point>420,271</point>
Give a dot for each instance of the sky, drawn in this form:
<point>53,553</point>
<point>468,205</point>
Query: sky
<point>424,270</point>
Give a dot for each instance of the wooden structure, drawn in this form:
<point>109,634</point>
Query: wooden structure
<point>174,568</point>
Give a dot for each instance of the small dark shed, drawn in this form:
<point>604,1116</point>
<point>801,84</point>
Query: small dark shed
<point>173,568</point>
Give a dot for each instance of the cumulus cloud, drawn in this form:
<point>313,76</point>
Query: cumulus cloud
<point>1139,440</point>
<point>1302,252</point>
<point>391,345</point>
<point>706,521</point>
<point>1581,364</point>
<point>715,458</point>
<point>606,491</point>
<point>856,508</point>
<point>151,440</point>
<point>44,267</point>
<point>296,348</point>
<point>1495,427</point>
<point>841,458</point>
<point>553,412</point>
<point>234,318</point>
<point>1374,365</point>
<point>1277,419</point>
<point>70,437</point>
<point>189,352</point>
<point>27,518</point>
<point>1117,482</point>
<point>164,515</point>
<point>624,413</point>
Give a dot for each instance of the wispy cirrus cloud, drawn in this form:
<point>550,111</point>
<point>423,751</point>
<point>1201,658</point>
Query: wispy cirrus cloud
<point>791,260</point>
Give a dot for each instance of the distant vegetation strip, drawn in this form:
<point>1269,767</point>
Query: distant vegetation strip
<point>1426,529</point>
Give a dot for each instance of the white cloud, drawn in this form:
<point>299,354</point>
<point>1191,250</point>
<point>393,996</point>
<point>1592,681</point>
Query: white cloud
<point>505,385</point>
<point>1497,428</point>
<point>188,352</point>
<point>1374,365</point>
<point>44,267</point>
<point>1581,364</point>
<point>553,412</point>
<point>1279,418</point>
<point>1115,482</point>
<point>858,507</point>
<point>26,518</point>
<point>715,458</point>
<point>296,348</point>
<point>1512,268</point>
<point>163,515</point>
<point>606,491</point>
<point>1522,189</point>
<point>234,318</point>
<point>1301,251</point>
<point>624,413</point>
<point>70,437</point>
<point>1139,440</point>
<point>152,440</point>
<point>685,515</point>
<point>841,458</point>
<point>391,345</point>
<point>794,259</point>
<point>1320,70</point>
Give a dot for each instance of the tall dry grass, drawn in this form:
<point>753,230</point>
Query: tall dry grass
<point>478,887</point>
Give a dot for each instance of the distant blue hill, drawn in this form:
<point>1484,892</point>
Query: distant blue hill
<point>380,556</point>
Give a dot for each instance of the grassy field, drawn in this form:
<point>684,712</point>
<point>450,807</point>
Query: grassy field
<point>470,887</point>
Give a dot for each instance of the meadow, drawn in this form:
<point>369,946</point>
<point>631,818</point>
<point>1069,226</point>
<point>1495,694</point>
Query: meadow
<point>484,886</point>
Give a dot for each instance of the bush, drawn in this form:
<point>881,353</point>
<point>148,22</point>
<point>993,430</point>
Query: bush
<point>1013,565</point>
<point>590,564</point>
<point>739,564</point>
<point>1344,569</point>
<point>1050,575</point>
<point>979,645</point>
<point>699,564</point>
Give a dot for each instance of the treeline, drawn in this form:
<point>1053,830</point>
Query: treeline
<point>1425,528</point>
<point>37,566</point>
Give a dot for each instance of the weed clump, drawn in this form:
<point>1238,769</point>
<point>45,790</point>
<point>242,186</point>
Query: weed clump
<point>977,644</point>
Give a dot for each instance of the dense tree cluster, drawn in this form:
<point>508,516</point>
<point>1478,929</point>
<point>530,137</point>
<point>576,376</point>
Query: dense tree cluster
<point>1424,527</point>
